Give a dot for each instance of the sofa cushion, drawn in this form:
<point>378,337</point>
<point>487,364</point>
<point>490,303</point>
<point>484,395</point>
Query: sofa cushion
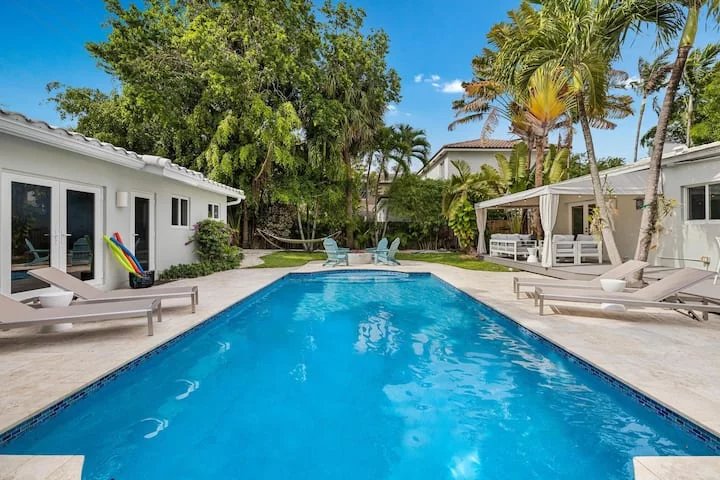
<point>563,238</point>
<point>586,238</point>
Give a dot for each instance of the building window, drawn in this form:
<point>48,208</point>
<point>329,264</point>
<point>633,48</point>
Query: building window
<point>213,210</point>
<point>180,212</point>
<point>703,202</point>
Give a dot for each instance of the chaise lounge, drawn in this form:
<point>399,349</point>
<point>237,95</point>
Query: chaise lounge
<point>616,273</point>
<point>90,294</point>
<point>656,295</point>
<point>22,315</point>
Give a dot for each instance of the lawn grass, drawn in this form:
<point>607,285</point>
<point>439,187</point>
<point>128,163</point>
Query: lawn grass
<point>289,259</point>
<point>459,260</point>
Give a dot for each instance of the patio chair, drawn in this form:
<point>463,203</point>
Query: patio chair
<point>617,273</point>
<point>655,295</point>
<point>90,294</point>
<point>335,254</point>
<point>588,247</point>
<point>22,315</point>
<point>382,245</point>
<point>40,255</point>
<point>563,248</point>
<point>81,252</point>
<point>387,257</point>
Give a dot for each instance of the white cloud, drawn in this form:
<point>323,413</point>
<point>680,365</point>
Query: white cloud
<point>391,107</point>
<point>418,78</point>
<point>434,78</point>
<point>436,85</point>
<point>452,87</point>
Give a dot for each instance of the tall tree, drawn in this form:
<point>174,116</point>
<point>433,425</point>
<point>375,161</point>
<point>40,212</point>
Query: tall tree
<point>581,37</point>
<point>652,77</point>
<point>359,82</point>
<point>687,13</point>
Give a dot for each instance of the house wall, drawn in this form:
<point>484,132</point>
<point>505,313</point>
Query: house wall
<point>626,221</point>
<point>683,239</point>
<point>30,158</point>
<point>474,158</point>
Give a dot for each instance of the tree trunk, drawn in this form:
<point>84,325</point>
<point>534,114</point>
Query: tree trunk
<point>314,224</point>
<point>367,187</point>
<point>300,227</point>
<point>245,225</point>
<point>641,113</point>
<point>348,198</point>
<point>649,213</point>
<point>607,233</point>
<point>690,109</point>
<point>539,167</point>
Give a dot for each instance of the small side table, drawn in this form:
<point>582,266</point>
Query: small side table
<point>533,255</point>
<point>56,299</point>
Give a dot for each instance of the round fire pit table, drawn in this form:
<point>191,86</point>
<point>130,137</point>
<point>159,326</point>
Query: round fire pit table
<point>360,258</point>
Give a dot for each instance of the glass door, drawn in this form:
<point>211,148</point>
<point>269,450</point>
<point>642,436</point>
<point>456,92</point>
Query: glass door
<point>142,218</point>
<point>580,218</point>
<point>31,233</point>
<point>52,224</point>
<point>81,238</point>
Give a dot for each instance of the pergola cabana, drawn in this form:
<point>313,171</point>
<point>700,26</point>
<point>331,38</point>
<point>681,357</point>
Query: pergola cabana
<point>625,182</point>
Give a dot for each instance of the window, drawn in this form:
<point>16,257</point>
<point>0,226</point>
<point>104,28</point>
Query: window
<point>703,202</point>
<point>213,210</point>
<point>180,212</point>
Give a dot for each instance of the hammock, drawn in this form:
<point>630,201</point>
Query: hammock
<point>269,237</point>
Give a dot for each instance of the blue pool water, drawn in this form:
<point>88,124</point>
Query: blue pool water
<point>358,376</point>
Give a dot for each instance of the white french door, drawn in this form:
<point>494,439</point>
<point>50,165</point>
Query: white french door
<point>49,223</point>
<point>142,219</point>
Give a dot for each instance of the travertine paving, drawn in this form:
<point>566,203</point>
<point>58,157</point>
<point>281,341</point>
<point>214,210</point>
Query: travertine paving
<point>665,355</point>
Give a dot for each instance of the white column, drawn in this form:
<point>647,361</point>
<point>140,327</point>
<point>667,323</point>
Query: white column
<point>548,215</point>
<point>481,218</point>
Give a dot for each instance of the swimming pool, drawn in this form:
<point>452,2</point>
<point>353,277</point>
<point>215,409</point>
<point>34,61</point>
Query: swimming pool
<point>358,375</point>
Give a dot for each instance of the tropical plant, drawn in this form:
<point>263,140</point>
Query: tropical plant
<point>464,189</point>
<point>698,70</point>
<point>409,144</point>
<point>581,38</point>
<point>652,77</point>
<point>687,14</point>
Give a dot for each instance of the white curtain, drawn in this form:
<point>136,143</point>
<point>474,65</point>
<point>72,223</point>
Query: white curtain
<point>481,216</point>
<point>548,215</point>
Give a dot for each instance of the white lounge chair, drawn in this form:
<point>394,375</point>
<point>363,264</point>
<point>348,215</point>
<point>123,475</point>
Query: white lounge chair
<point>588,247</point>
<point>20,315</point>
<point>617,273</point>
<point>563,248</point>
<point>88,293</point>
<point>655,295</point>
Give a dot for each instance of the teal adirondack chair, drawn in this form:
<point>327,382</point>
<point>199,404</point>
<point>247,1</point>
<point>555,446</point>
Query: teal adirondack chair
<point>40,255</point>
<point>335,254</point>
<point>382,245</point>
<point>387,257</point>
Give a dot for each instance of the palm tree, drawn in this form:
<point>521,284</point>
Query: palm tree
<point>409,144</point>
<point>582,38</point>
<point>687,14</point>
<point>700,65</point>
<point>652,78</point>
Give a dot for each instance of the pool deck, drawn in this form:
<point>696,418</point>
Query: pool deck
<point>665,355</point>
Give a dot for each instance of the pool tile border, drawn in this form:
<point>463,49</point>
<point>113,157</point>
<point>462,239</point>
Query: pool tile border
<point>685,424</point>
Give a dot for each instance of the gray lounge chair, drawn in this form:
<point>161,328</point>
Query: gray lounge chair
<point>656,295</point>
<point>22,315</point>
<point>387,257</point>
<point>40,255</point>
<point>88,293</point>
<point>335,254</point>
<point>617,273</point>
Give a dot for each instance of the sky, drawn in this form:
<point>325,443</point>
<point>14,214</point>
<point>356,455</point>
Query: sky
<point>432,43</point>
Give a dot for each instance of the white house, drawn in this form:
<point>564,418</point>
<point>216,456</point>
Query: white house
<point>690,176</point>
<point>60,192</point>
<point>475,153</point>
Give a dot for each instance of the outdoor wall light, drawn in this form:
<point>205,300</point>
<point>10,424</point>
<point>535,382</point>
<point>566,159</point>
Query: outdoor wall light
<point>122,199</point>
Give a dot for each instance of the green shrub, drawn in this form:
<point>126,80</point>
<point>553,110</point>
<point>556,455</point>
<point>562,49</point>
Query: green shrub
<point>212,246</point>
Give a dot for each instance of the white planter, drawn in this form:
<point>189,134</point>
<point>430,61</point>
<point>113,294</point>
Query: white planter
<point>612,285</point>
<point>56,299</point>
